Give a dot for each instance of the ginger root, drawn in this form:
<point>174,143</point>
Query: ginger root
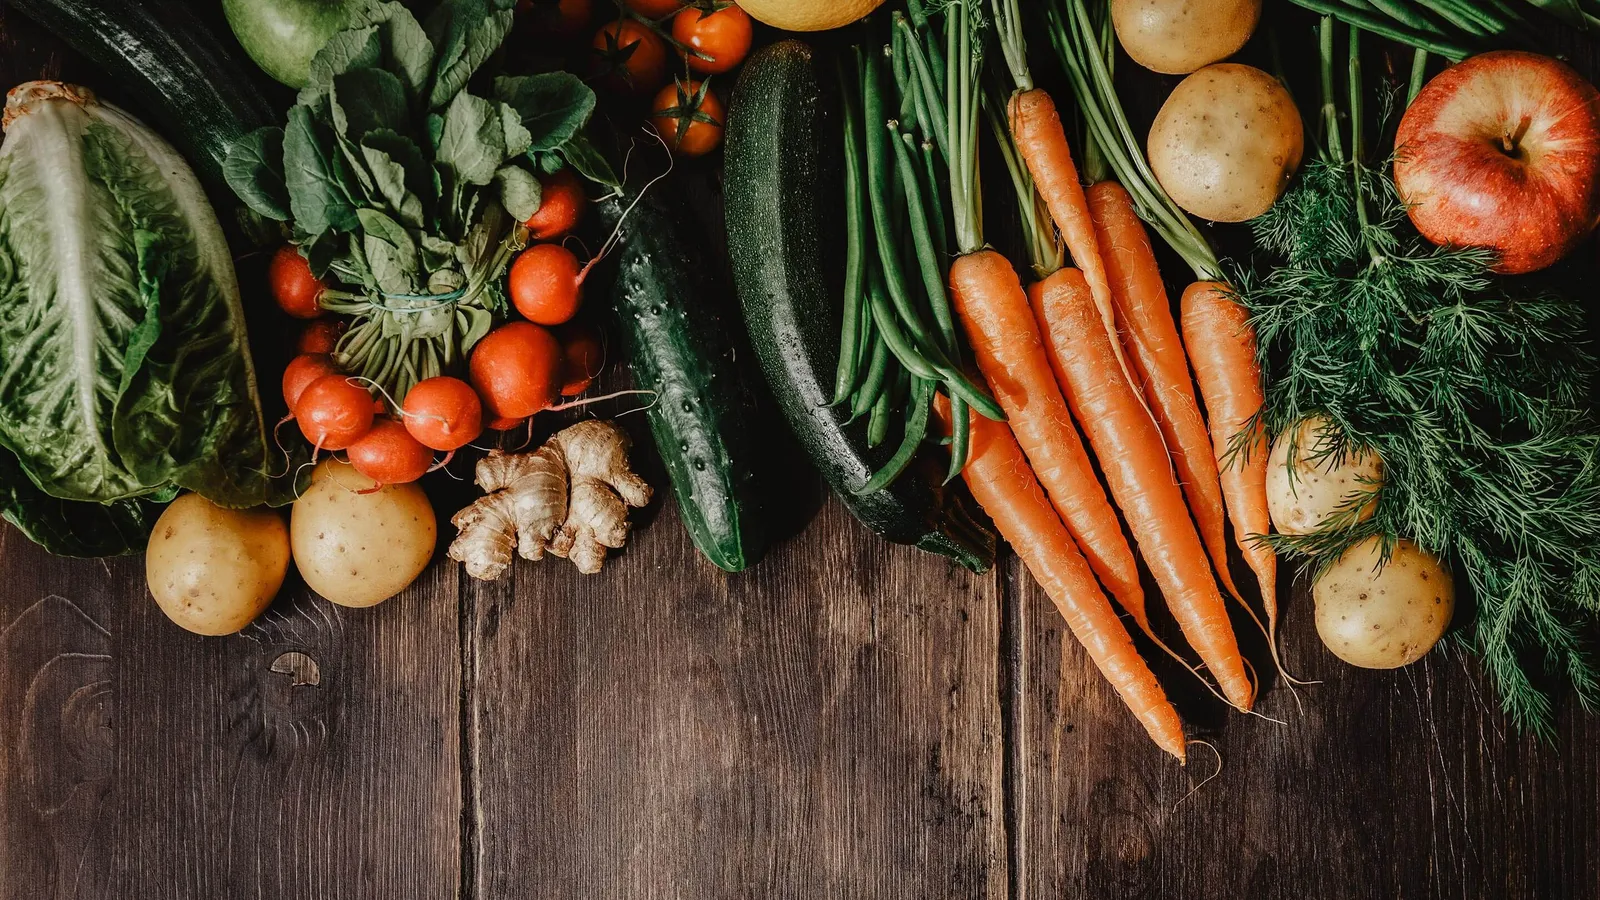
<point>570,497</point>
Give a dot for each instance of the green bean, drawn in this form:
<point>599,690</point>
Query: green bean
<point>872,388</point>
<point>854,222</point>
<point>916,429</point>
<point>932,274</point>
<point>879,184</point>
<point>888,324</point>
<point>961,386</point>
<point>936,219</point>
<point>919,19</point>
<point>878,422</point>
<point>960,438</point>
<point>888,402</point>
<point>901,71</point>
<point>926,91</point>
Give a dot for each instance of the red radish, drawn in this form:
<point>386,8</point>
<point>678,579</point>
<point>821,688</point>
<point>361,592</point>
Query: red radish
<point>320,336</point>
<point>293,286</point>
<point>443,413</point>
<point>389,454</point>
<point>547,284</point>
<point>561,203</point>
<point>301,372</point>
<point>517,369</point>
<point>505,423</point>
<point>334,412</point>
<point>583,357</point>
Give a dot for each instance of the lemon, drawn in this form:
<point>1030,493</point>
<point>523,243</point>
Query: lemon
<point>808,15</point>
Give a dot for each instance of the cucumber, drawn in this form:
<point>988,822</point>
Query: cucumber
<point>179,69</point>
<point>783,201</point>
<point>679,344</point>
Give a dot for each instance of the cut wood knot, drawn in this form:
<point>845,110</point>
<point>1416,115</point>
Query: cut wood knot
<point>301,669</point>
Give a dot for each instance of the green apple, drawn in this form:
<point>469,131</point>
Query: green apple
<point>283,35</point>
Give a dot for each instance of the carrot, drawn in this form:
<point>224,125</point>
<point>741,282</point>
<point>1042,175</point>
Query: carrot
<point>1222,346</point>
<point>1135,464</point>
<point>1011,354</point>
<point>1042,143</point>
<point>1000,480</point>
<point>1145,319</point>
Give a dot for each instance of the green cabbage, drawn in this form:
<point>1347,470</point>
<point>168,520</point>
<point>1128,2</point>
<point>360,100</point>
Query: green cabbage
<point>125,369</point>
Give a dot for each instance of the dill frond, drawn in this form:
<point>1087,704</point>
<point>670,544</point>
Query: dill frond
<point>1473,389</point>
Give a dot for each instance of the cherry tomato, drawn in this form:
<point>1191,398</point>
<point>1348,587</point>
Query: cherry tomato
<point>562,18</point>
<point>654,9</point>
<point>631,56</point>
<point>689,117</point>
<point>722,35</point>
<point>293,286</point>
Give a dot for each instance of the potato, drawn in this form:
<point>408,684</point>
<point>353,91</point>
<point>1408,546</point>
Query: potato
<point>1226,142</point>
<point>213,570</point>
<point>1383,618</point>
<point>1176,37</point>
<point>356,548</point>
<point>1301,498</point>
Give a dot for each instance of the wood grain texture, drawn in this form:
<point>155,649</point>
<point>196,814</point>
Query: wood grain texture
<point>827,725</point>
<point>1378,784</point>
<point>314,755</point>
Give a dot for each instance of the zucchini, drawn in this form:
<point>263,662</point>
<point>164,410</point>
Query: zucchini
<point>679,344</point>
<point>782,200</point>
<point>179,69</point>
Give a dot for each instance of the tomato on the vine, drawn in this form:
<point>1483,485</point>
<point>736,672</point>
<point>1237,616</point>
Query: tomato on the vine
<point>631,56</point>
<point>717,35</point>
<point>689,117</point>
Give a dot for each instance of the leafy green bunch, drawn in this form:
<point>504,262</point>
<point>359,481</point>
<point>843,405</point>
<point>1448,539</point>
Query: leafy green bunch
<point>406,191</point>
<point>1474,390</point>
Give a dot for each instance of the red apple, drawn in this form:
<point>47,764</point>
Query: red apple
<point>1503,151</point>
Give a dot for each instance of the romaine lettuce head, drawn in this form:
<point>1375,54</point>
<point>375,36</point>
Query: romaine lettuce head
<point>125,369</point>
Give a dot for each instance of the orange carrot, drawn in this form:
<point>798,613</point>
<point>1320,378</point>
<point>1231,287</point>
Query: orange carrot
<point>1004,486</point>
<point>1145,319</point>
<point>1042,142</point>
<point>1134,460</point>
<point>1222,347</point>
<point>1010,353</point>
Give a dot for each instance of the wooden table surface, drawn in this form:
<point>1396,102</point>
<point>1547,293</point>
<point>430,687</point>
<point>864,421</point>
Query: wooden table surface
<point>850,719</point>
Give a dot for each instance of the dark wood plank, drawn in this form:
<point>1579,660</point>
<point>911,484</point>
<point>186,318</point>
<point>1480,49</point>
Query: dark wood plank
<point>1386,784</point>
<point>826,725</point>
<point>315,755</point>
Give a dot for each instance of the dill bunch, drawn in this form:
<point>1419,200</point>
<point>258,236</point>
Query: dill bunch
<point>1473,388</point>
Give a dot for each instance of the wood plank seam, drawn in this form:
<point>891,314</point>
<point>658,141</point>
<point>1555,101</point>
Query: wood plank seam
<point>471,809</point>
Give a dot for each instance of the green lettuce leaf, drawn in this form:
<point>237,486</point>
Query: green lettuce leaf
<point>254,169</point>
<point>70,527</point>
<point>463,33</point>
<point>554,106</point>
<point>124,363</point>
